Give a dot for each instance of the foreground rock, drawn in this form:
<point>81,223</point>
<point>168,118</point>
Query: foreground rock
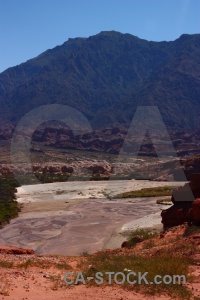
<point>186,205</point>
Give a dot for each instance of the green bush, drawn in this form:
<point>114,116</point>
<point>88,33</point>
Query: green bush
<point>147,192</point>
<point>9,207</point>
<point>140,235</point>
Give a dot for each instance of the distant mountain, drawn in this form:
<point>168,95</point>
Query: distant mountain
<point>106,76</point>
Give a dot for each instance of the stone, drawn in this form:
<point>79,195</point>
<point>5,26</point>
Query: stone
<point>125,244</point>
<point>177,215</point>
<point>186,205</point>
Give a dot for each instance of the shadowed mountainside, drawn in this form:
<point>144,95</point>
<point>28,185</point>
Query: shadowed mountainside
<point>106,76</point>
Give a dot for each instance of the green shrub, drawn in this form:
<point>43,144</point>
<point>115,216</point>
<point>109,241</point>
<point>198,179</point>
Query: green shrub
<point>9,207</point>
<point>6,264</point>
<point>140,235</point>
<point>147,192</point>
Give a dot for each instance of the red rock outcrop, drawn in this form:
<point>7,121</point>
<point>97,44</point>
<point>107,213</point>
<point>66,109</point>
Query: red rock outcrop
<point>100,169</point>
<point>15,250</point>
<point>177,215</point>
<point>186,205</point>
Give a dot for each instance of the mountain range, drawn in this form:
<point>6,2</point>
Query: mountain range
<point>106,77</point>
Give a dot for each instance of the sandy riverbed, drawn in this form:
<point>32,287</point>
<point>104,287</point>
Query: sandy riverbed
<point>72,217</point>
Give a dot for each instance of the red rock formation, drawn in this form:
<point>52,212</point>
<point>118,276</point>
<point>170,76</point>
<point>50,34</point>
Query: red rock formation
<point>177,215</point>
<point>100,169</point>
<point>15,250</point>
<point>186,205</point>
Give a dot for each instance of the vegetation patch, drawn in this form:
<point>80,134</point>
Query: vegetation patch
<point>147,192</point>
<point>48,178</point>
<point>9,207</point>
<point>63,266</point>
<point>140,235</point>
<point>160,264</point>
<point>43,264</point>
<point>29,263</point>
<point>5,264</point>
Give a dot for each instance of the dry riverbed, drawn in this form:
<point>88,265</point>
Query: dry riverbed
<point>73,217</point>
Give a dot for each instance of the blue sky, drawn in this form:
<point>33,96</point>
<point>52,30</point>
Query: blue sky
<point>29,27</point>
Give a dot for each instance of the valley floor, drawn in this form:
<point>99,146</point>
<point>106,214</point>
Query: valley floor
<point>70,218</point>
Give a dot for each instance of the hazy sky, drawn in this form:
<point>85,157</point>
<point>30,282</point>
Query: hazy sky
<point>29,27</point>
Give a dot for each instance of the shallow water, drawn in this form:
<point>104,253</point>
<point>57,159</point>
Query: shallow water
<point>61,218</point>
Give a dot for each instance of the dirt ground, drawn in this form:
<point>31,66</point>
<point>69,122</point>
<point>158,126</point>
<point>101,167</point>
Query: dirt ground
<point>30,276</point>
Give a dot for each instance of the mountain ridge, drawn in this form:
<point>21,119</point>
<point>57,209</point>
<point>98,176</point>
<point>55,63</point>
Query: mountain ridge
<point>106,76</point>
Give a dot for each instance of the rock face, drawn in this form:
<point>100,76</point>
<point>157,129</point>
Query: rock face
<point>186,205</point>
<point>177,215</point>
<point>60,136</point>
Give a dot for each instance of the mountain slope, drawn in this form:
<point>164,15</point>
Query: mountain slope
<point>106,77</point>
